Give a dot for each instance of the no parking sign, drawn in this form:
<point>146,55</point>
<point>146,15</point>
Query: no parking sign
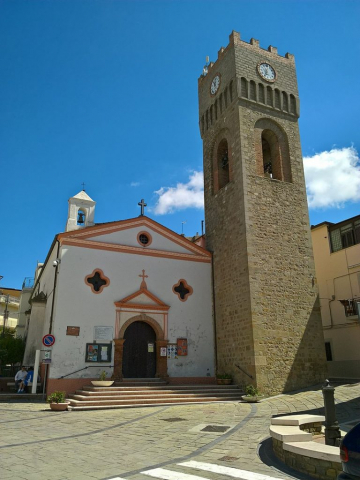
<point>48,340</point>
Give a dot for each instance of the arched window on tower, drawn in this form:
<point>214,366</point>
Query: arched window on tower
<point>272,151</point>
<point>252,90</point>
<point>261,93</point>
<point>81,218</point>
<point>223,173</point>
<point>244,87</point>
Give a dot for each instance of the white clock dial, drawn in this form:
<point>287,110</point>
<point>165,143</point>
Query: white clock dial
<point>215,84</point>
<point>267,72</point>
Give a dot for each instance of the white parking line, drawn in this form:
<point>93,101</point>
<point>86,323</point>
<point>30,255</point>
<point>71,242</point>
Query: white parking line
<point>163,474</point>
<point>229,471</point>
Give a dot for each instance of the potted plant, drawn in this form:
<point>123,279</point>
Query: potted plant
<point>252,394</point>
<point>223,379</point>
<point>102,382</point>
<point>57,401</point>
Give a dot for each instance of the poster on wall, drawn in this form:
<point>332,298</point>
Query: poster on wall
<point>98,352</point>
<point>172,350</point>
<point>103,333</point>
<point>182,347</point>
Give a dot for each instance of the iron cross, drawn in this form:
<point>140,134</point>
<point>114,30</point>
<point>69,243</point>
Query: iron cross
<point>142,204</point>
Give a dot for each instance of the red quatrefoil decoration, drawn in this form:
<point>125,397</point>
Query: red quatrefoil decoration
<point>182,290</point>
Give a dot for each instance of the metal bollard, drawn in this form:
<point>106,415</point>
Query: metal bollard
<point>332,430</point>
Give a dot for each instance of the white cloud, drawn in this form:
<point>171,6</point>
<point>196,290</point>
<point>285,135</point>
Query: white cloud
<point>184,195</point>
<point>134,184</point>
<point>332,178</point>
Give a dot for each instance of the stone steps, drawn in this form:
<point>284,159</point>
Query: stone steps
<point>130,396</point>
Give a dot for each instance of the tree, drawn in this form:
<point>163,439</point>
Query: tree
<point>11,349</point>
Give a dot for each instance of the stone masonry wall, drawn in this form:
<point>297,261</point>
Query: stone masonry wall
<point>267,314</point>
<point>316,468</point>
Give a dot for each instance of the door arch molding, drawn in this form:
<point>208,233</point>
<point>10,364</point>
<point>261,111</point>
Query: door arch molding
<point>143,318</point>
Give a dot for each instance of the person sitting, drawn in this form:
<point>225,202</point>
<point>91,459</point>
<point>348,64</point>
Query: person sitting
<point>29,378</point>
<point>20,376</point>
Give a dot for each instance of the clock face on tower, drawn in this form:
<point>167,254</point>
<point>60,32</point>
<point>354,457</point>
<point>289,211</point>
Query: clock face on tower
<point>215,84</point>
<point>267,72</point>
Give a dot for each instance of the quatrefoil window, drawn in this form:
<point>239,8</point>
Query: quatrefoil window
<point>182,290</point>
<point>97,281</point>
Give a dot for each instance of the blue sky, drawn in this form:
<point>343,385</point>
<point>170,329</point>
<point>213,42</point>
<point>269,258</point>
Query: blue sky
<point>105,92</point>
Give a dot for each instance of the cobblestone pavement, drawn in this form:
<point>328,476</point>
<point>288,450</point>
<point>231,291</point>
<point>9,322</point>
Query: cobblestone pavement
<point>38,444</point>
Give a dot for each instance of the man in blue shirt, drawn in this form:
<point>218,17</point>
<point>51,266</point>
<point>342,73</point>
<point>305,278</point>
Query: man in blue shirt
<point>29,378</point>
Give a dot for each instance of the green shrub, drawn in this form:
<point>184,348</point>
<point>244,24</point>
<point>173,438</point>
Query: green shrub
<point>224,376</point>
<point>56,397</point>
<point>251,391</point>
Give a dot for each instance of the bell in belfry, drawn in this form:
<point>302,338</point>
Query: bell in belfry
<point>80,218</point>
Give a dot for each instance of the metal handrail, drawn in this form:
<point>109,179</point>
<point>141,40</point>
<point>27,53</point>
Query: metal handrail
<point>28,282</point>
<point>85,368</point>
<point>244,371</point>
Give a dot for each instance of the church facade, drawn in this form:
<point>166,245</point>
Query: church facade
<point>130,298</point>
<point>137,300</point>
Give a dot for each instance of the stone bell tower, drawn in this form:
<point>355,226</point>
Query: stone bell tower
<point>268,323</point>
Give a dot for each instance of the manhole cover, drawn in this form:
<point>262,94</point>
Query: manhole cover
<point>173,419</point>
<point>215,428</point>
<point>228,459</point>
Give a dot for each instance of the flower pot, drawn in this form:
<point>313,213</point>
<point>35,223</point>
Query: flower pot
<point>59,407</point>
<point>224,381</point>
<point>250,399</point>
<point>102,383</point>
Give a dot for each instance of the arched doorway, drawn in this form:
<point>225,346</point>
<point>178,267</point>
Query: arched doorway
<point>139,357</point>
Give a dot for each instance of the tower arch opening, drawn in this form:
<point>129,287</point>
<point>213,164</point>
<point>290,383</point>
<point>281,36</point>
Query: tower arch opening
<point>222,164</point>
<point>272,151</point>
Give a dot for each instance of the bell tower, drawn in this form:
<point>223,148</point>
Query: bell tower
<point>268,324</point>
<point>81,212</point>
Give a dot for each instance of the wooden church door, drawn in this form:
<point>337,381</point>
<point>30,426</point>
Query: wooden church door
<point>139,357</point>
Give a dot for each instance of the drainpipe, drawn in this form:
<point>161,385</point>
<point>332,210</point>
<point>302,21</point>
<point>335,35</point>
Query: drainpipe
<point>54,289</point>
<point>214,309</point>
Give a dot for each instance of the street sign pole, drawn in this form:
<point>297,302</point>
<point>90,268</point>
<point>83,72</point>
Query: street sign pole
<point>36,369</point>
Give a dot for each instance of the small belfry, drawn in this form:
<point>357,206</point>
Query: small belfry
<point>81,212</point>
<point>268,326</point>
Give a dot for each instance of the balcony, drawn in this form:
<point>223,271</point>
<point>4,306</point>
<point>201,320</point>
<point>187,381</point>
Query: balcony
<point>28,283</point>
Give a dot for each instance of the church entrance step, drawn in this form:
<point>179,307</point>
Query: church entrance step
<point>120,397</point>
<point>136,382</point>
<point>100,392</point>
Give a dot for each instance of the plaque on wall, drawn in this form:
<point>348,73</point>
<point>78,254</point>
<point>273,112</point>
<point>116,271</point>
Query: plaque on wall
<point>104,333</point>
<point>75,331</point>
<point>163,352</point>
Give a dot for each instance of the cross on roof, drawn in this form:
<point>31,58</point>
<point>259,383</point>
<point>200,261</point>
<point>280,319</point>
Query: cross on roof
<point>83,185</point>
<point>142,204</point>
<point>143,276</point>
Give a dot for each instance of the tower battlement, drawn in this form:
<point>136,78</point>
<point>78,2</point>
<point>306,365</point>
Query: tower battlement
<point>234,39</point>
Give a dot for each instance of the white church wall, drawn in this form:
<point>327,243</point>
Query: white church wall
<point>40,312</point>
<point>77,305</point>
<point>128,237</point>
